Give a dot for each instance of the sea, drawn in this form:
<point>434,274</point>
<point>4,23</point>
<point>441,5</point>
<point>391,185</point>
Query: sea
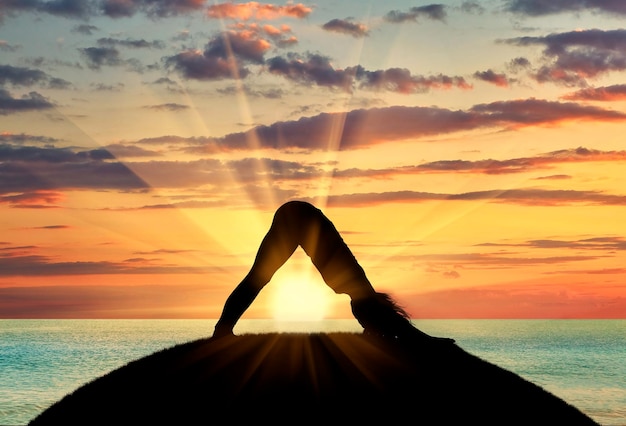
<point>581,361</point>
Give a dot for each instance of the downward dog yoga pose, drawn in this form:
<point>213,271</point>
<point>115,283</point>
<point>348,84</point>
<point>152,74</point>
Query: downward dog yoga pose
<point>297,223</point>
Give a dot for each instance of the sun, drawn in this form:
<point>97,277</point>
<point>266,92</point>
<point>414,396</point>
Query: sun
<point>299,292</point>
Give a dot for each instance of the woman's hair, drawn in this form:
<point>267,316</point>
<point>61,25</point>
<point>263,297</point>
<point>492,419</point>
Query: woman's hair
<point>381,315</point>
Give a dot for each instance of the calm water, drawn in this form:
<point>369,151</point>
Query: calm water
<point>582,362</point>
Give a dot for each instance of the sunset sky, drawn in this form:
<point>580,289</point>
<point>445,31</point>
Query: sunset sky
<point>471,154</point>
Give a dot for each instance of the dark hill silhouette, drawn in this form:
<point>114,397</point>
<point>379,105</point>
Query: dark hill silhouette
<point>310,379</point>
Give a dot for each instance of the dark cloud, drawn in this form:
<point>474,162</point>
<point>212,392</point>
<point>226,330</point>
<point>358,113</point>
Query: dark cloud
<point>85,9</point>
<point>131,43</point>
<point>616,92</point>
<point>573,57</point>
<point>171,107</point>
<point>194,64</point>
<point>519,64</point>
<point>604,244</point>
<point>366,127</point>
<point>245,45</point>
<point>37,265</point>
<point>128,151</point>
<point>253,91</point>
<point>319,70</point>
<point>37,172</point>
<point>491,167</point>
<point>23,138</point>
<point>20,76</point>
<point>528,197</point>
<point>32,101</point>
<point>85,29</point>
<point>536,111</point>
<point>152,8</point>
<point>472,7</point>
<point>491,76</point>
<point>101,87</point>
<point>431,11</point>
<point>400,80</point>
<point>315,69</point>
<point>225,56</point>
<point>549,7</point>
<point>346,26</point>
<point>100,56</point>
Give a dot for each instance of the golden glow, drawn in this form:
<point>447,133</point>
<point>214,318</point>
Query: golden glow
<point>298,292</point>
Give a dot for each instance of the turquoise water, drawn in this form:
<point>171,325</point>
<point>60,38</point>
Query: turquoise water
<point>581,361</point>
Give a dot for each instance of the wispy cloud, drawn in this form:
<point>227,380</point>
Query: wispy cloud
<point>550,7</point>
<point>529,197</point>
<point>170,107</point>
<point>615,92</point>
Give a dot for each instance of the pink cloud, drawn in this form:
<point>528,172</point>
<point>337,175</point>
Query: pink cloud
<point>256,10</point>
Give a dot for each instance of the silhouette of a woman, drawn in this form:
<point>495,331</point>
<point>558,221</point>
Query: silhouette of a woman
<point>298,223</point>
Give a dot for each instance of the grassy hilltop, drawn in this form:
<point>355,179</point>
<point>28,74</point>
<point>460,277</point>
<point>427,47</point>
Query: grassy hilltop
<point>294,379</point>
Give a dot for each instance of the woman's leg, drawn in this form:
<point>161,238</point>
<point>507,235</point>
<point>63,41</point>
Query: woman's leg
<point>297,223</point>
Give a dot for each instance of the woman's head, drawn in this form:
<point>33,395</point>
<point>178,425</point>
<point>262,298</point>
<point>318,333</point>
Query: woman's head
<point>379,314</point>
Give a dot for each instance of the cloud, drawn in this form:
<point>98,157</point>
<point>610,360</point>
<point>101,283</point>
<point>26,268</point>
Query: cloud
<point>605,244</point>
<point>318,69</point>
<point>616,92</point>
<point>491,76</point>
<point>400,80</point>
<point>573,57</point>
<point>39,172</point>
<point>365,127</point>
<point>225,56</point>
<point>85,9</point>
<point>129,151</point>
<point>171,107</point>
<point>473,7</point>
<point>34,199</point>
<point>131,43</point>
<point>435,12</point>
<point>32,101</point>
<point>20,76</point>
<point>528,197</point>
<point>256,10</point>
<point>346,26</point>
<point>85,29</point>
<point>495,167</point>
<point>24,138</point>
<point>100,56</point>
<point>37,265</point>
<point>549,7</point>
<point>532,111</point>
<point>152,8</point>
<point>5,46</point>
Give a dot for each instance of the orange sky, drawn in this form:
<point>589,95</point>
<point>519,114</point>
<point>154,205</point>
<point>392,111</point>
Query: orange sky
<point>471,156</point>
